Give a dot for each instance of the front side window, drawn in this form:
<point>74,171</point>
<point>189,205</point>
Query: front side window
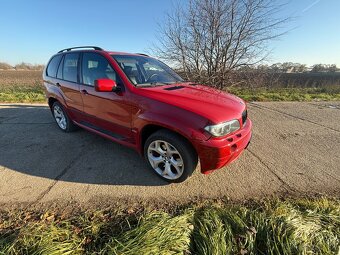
<point>143,70</point>
<point>95,66</point>
<point>70,68</point>
<point>53,66</point>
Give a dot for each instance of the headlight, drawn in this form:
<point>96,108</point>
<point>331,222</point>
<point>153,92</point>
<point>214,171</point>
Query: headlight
<point>223,128</point>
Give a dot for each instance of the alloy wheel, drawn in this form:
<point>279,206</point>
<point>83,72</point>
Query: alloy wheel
<point>60,117</point>
<point>165,159</point>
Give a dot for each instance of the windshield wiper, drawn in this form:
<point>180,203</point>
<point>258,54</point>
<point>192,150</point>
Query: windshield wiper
<point>174,82</point>
<point>152,84</point>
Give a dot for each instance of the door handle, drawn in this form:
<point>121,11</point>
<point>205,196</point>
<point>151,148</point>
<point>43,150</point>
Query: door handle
<point>84,91</point>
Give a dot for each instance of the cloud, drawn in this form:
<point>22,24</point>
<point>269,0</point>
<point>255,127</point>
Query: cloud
<point>311,5</point>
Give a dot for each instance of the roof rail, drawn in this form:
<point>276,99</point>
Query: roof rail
<point>80,47</point>
<point>143,54</point>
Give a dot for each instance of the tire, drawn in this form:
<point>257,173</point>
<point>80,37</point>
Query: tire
<point>62,119</point>
<point>170,156</point>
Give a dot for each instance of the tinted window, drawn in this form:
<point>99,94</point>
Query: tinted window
<point>96,67</point>
<point>70,68</point>
<point>53,66</point>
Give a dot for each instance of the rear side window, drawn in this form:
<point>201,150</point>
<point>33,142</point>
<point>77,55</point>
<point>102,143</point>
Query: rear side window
<point>70,67</point>
<point>53,66</point>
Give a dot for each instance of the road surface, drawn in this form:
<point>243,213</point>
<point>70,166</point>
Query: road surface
<point>295,150</point>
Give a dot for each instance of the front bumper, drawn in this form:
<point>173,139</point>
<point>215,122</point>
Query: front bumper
<point>215,153</point>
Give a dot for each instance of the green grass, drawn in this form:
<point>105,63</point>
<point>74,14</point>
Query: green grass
<point>22,94</point>
<point>292,226</point>
<point>288,94</point>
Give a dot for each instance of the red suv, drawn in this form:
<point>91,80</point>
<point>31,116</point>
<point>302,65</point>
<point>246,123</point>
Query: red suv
<point>142,103</point>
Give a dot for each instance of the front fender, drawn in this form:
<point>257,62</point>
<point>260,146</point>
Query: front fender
<point>184,123</point>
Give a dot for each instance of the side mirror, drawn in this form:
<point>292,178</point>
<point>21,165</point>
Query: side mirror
<point>105,85</point>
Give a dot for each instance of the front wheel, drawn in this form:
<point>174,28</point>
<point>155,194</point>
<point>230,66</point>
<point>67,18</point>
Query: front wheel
<point>170,156</point>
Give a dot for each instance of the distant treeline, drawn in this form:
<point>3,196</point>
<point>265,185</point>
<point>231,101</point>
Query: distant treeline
<point>289,67</point>
<point>21,66</point>
<point>286,67</point>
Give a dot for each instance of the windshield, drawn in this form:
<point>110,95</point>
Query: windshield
<point>146,71</point>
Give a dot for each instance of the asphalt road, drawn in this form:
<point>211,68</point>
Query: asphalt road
<point>295,149</point>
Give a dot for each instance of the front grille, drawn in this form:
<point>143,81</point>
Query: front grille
<point>244,117</point>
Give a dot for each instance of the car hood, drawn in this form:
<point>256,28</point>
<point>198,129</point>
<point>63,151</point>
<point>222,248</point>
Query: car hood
<point>214,105</point>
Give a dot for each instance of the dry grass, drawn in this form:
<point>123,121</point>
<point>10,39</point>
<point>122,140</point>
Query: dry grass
<point>291,226</point>
<point>21,87</point>
<point>10,79</point>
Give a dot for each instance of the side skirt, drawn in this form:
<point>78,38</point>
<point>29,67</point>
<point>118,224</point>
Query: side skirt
<point>106,134</point>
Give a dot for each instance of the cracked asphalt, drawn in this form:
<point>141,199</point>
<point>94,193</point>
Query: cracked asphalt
<point>295,150</point>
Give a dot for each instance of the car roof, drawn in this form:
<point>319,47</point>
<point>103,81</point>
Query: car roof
<point>98,49</point>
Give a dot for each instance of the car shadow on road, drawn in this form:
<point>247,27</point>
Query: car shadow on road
<point>32,144</point>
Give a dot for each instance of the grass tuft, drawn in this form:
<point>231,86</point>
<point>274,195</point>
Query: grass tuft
<point>40,238</point>
<point>292,226</point>
<point>156,233</point>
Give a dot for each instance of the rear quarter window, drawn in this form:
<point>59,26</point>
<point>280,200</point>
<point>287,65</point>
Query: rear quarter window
<point>52,67</point>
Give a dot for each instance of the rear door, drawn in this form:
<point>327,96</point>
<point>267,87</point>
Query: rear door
<point>68,81</point>
<point>106,112</point>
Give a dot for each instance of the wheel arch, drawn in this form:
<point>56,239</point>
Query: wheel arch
<point>51,101</point>
<point>149,129</point>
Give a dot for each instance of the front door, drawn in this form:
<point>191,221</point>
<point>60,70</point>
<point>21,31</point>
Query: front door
<point>106,112</point>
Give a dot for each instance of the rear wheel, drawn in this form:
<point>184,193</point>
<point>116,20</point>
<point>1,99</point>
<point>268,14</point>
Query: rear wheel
<point>170,156</point>
<point>63,120</point>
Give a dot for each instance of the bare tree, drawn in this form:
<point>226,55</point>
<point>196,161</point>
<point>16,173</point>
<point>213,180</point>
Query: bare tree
<point>210,38</point>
